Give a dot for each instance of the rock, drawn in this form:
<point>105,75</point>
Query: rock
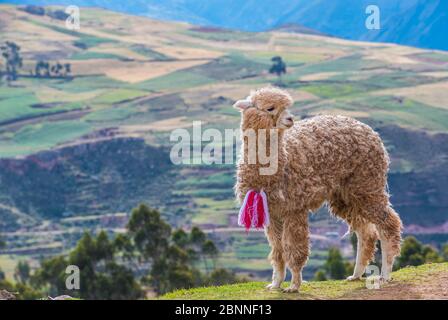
<point>63,297</point>
<point>5,295</point>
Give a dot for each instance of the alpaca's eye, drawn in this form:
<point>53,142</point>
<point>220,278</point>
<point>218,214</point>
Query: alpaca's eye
<point>271,109</point>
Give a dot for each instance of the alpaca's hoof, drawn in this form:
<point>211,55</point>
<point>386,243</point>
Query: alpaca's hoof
<point>273,286</point>
<point>291,289</point>
<point>385,279</point>
<point>353,278</point>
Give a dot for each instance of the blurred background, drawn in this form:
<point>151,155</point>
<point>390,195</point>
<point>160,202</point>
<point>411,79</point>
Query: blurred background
<point>86,115</point>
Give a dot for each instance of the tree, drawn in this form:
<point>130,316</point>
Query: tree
<point>56,69</point>
<point>101,277</point>
<point>2,242</point>
<point>278,67</point>
<point>181,273</point>
<point>50,277</point>
<point>431,255</point>
<point>197,237</point>
<point>445,252</point>
<point>414,253</point>
<point>173,255</point>
<point>196,242</point>
<point>13,61</point>
<point>209,250</point>
<point>180,238</point>
<point>173,271</point>
<point>36,10</point>
<point>68,69</point>
<point>42,69</point>
<point>152,236</point>
<point>170,260</point>
<point>411,253</point>
<point>123,244</point>
<point>320,275</point>
<point>220,277</point>
<point>21,291</point>
<point>335,266</point>
<point>164,250</point>
<point>349,268</point>
<point>22,272</point>
<point>202,248</point>
<point>58,14</point>
<point>149,232</point>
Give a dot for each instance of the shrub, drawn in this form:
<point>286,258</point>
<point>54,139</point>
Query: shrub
<point>36,10</point>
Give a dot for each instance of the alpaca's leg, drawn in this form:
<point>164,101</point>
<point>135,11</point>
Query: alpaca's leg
<point>367,236</point>
<point>377,209</point>
<point>274,235</point>
<point>278,270</point>
<point>295,241</point>
<point>389,228</point>
<point>366,232</point>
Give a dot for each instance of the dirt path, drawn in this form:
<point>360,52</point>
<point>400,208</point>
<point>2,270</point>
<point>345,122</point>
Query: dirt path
<point>427,287</point>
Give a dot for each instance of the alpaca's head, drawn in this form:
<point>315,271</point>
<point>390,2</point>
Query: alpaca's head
<point>266,108</point>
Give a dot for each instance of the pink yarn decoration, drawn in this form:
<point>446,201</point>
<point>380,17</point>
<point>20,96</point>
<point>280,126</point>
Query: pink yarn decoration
<point>254,212</point>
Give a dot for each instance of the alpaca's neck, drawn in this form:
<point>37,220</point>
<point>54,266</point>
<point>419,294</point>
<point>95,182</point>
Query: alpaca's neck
<point>264,158</point>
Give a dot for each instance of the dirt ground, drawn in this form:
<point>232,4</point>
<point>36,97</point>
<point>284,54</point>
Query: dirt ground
<point>430,287</point>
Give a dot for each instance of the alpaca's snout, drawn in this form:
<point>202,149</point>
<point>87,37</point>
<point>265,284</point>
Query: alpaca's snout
<point>286,120</point>
<point>289,122</point>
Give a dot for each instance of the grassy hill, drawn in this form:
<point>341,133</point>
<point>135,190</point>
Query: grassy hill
<point>97,143</point>
<point>408,22</point>
<point>423,282</point>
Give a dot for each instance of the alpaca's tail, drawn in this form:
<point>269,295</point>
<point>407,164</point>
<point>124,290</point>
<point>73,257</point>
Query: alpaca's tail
<point>391,227</point>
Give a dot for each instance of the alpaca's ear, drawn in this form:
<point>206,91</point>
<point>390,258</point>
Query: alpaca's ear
<point>242,104</point>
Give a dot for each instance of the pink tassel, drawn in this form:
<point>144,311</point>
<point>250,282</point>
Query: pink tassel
<point>265,207</point>
<point>244,217</point>
<point>254,211</point>
<point>259,214</point>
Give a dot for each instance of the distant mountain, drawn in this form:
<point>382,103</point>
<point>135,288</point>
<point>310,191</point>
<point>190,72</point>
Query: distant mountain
<point>424,24</point>
<point>420,23</point>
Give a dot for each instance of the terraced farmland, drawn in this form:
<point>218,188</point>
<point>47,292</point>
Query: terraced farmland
<point>92,136</point>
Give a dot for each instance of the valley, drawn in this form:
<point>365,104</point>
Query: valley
<point>79,152</point>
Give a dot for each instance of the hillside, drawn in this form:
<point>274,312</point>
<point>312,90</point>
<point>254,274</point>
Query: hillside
<point>419,23</point>
<point>78,152</point>
<point>424,282</point>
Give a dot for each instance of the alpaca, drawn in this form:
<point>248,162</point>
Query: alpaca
<point>325,159</point>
